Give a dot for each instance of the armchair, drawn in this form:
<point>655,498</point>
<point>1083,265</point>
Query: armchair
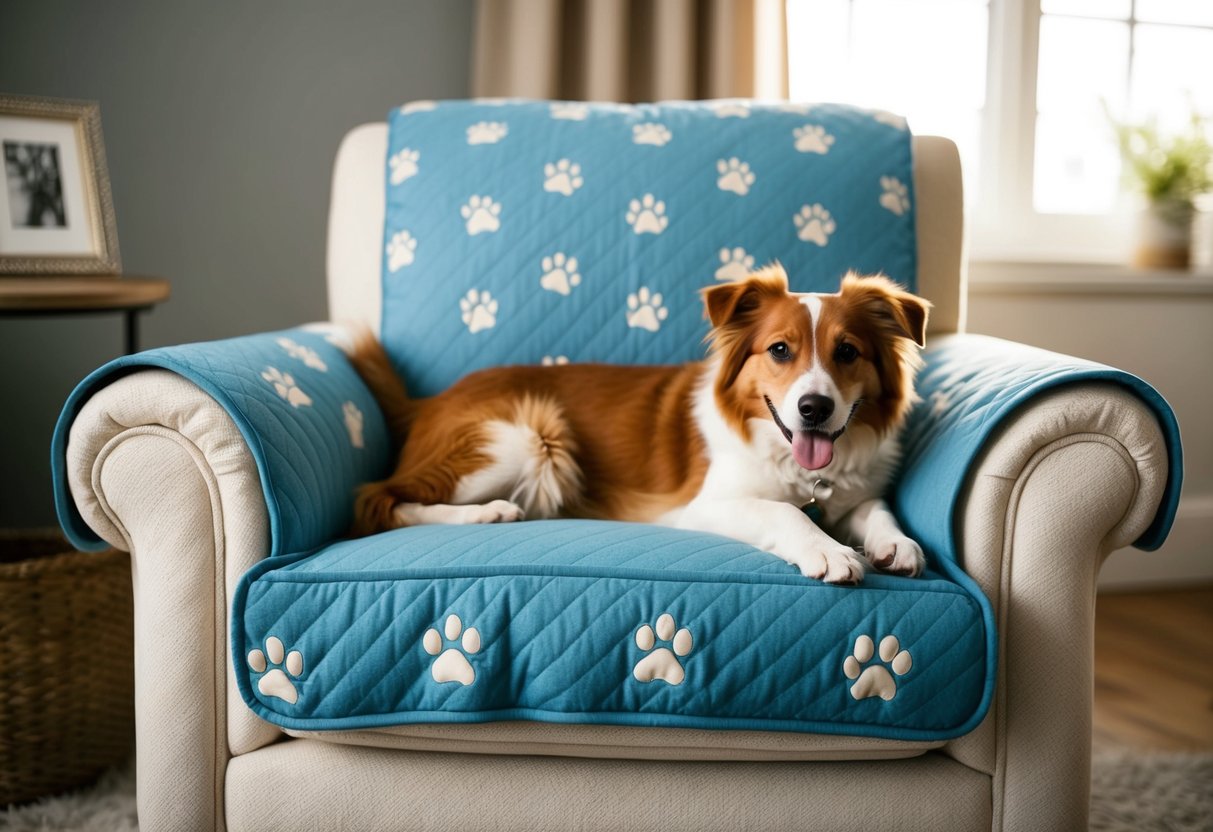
<point>1026,468</point>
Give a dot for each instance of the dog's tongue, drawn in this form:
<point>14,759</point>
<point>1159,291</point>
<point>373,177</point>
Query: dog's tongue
<point>812,450</point>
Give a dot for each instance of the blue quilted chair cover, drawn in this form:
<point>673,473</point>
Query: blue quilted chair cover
<point>523,231</point>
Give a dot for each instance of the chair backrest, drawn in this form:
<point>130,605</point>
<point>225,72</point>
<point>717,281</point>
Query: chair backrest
<point>357,260</point>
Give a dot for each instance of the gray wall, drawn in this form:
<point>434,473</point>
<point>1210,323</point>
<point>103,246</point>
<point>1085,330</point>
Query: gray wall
<point>221,121</point>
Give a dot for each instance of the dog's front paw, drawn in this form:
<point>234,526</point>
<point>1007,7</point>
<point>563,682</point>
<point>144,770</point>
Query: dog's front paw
<point>895,553</point>
<point>832,563</point>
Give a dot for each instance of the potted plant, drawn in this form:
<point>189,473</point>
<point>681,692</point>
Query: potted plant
<point>1171,171</point>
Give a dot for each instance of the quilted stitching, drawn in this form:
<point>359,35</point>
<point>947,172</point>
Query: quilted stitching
<point>557,605</point>
<point>970,385</point>
<point>436,331</point>
<point>309,457</point>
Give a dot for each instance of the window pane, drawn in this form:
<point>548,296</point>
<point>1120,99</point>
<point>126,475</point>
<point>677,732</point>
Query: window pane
<point>1172,72</point>
<point>909,56</point>
<point>1199,12</point>
<point>1118,9</point>
<point>1081,62</point>
<point>1077,164</point>
<point>819,32</point>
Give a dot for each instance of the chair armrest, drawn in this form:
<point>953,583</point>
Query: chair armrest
<point>309,423</point>
<point>973,387</point>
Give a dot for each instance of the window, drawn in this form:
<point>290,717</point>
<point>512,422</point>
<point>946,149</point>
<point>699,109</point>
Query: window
<point>1021,86</point>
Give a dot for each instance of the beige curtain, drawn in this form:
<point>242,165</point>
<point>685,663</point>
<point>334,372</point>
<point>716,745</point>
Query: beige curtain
<point>630,50</point>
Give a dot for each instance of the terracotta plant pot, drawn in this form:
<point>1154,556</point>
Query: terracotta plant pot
<point>1164,236</point>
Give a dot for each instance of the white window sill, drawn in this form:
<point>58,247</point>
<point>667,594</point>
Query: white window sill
<point>988,277</point>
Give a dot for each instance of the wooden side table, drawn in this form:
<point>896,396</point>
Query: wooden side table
<point>51,295</point>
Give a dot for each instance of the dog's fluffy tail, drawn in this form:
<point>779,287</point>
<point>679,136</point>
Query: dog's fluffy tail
<point>375,368</point>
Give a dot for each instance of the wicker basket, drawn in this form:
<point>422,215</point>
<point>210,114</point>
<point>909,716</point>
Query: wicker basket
<point>66,664</point>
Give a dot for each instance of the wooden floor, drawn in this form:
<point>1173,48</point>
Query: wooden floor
<point>1154,670</point>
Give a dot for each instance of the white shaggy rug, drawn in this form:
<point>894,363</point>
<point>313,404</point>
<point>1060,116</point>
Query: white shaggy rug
<point>1129,793</point>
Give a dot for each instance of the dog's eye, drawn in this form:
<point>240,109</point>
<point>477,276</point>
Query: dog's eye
<point>845,353</point>
<point>779,351</point>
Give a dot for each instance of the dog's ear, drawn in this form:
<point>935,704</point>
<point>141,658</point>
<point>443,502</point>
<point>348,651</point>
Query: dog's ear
<point>731,301</point>
<point>904,313</point>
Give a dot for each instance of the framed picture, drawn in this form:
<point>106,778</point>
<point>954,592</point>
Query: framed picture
<point>56,212</point>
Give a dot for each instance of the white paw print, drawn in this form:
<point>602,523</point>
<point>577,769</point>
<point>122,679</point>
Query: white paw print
<point>305,354</point>
<point>651,133</point>
<point>401,251</point>
<point>663,663</point>
<point>735,264</point>
<point>418,107</point>
<point>559,273</point>
<point>645,311</point>
<point>647,215</point>
<point>732,109</point>
<point>735,176</point>
<point>570,110</point>
<point>284,384</point>
<point>797,109</point>
<point>335,334</point>
<point>479,310</point>
<point>814,224</point>
<point>482,215</point>
<point>487,132</point>
<point>564,177</point>
<point>453,664</point>
<point>891,119</point>
<point>276,683</point>
<point>353,423</point>
<point>812,138</point>
<point>404,165</point>
<point>554,360</point>
<point>895,196</point>
<point>875,679</point>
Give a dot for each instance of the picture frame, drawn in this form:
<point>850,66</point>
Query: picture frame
<point>56,210</point>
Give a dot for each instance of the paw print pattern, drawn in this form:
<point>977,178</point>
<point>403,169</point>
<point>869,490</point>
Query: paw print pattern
<point>479,310</point>
<point>487,132</point>
<point>655,134</point>
<point>891,119</point>
<point>404,165</point>
<point>559,273</point>
<point>875,679</point>
<point>401,251</point>
<point>554,360</point>
<point>276,683</point>
<point>453,664</point>
<point>353,423</point>
<point>795,109</point>
<point>305,354</point>
<point>812,138</point>
<point>570,110</point>
<point>334,334</point>
<point>563,177</point>
<point>284,385</point>
<point>647,215</point>
<point>482,215</point>
<point>814,224</point>
<point>895,195</point>
<point>735,176</point>
<point>735,264</point>
<point>645,310</point>
<point>663,662</point>
<point>732,109</point>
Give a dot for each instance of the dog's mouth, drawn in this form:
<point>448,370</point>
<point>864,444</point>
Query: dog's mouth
<point>812,449</point>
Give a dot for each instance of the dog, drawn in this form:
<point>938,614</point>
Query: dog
<point>800,401</point>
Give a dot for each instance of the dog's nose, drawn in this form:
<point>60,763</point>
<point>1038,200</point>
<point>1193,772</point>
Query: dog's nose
<point>815,408</point>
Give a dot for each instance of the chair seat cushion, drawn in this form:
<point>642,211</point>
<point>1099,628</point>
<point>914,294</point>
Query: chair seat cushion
<point>609,623</point>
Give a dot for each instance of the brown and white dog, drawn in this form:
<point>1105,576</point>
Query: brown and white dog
<point>801,399</point>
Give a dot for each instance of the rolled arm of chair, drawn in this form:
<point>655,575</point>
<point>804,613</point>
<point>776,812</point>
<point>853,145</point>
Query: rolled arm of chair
<point>202,460</point>
<point>1029,468</point>
<point>308,423</point>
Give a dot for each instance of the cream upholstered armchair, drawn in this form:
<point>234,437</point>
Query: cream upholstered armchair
<point>154,463</point>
